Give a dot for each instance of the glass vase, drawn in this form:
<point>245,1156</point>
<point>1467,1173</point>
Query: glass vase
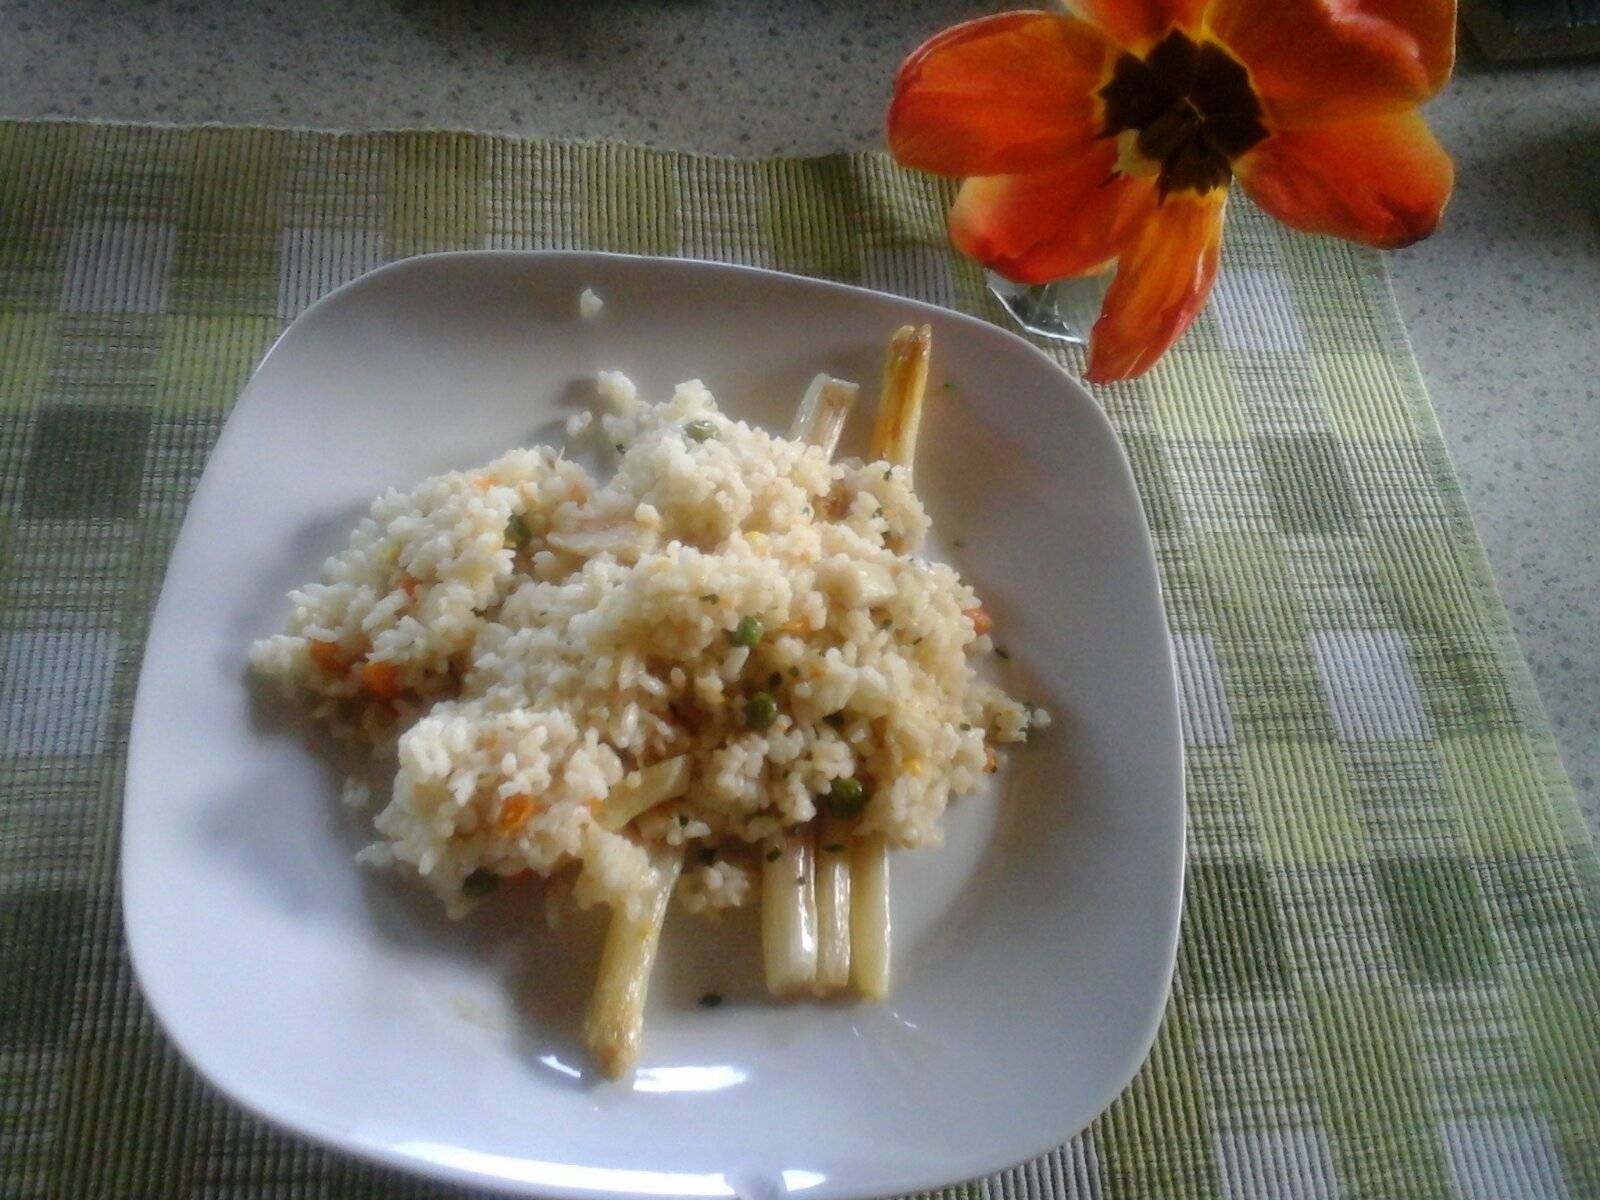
<point>1063,311</point>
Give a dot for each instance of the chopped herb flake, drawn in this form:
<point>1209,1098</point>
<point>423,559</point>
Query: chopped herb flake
<point>1002,652</point>
<point>835,719</point>
<point>774,679</point>
<point>774,854</point>
<point>709,598</point>
<point>794,672</point>
<point>518,534</point>
<point>710,1000</point>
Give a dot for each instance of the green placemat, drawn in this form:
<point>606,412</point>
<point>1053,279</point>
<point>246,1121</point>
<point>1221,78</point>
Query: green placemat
<point>1389,983</point>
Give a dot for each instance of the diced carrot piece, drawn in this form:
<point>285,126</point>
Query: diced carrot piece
<point>408,585</point>
<point>382,679</point>
<point>991,760</point>
<point>328,656</point>
<point>982,622</point>
<point>514,813</point>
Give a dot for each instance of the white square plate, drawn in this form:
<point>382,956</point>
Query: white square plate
<point>1032,954</point>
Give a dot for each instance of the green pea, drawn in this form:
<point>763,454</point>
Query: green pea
<point>747,632</point>
<point>845,798</point>
<point>760,711</point>
<point>480,883</point>
<point>700,431</point>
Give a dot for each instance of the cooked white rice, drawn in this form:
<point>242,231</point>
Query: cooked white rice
<point>524,639</point>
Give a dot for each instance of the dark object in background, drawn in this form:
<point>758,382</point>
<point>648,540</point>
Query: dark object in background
<point>1512,29</point>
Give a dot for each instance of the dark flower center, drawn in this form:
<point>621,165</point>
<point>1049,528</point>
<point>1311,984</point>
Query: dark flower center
<point>1190,108</point>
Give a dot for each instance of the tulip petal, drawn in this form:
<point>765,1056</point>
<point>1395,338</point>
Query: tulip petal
<point>1139,24</point>
<point>1432,24</point>
<point>1164,275</point>
<point>1313,61</point>
<point>1055,224</point>
<point>999,95</point>
<point>1383,180</point>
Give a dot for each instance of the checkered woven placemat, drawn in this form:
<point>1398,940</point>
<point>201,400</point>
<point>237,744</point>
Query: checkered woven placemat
<point>1389,982</point>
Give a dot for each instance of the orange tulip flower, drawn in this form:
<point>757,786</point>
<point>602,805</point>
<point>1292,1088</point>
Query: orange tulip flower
<point>1112,132</point>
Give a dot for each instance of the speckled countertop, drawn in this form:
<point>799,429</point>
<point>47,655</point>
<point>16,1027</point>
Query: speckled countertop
<point>1503,303</point>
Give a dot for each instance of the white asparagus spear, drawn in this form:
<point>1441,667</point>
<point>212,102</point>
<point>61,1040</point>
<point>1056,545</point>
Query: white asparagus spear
<point>658,783</point>
<point>894,439</point>
<point>833,906</point>
<point>869,916</point>
<point>615,1021</point>
<point>788,913</point>
<point>820,418</point>
<point>905,381</point>
<point>788,900</point>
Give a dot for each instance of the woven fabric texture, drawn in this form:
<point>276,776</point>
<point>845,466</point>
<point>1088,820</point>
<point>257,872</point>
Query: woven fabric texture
<point>1389,980</point>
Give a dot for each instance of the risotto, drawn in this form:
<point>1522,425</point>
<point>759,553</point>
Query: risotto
<point>730,637</point>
